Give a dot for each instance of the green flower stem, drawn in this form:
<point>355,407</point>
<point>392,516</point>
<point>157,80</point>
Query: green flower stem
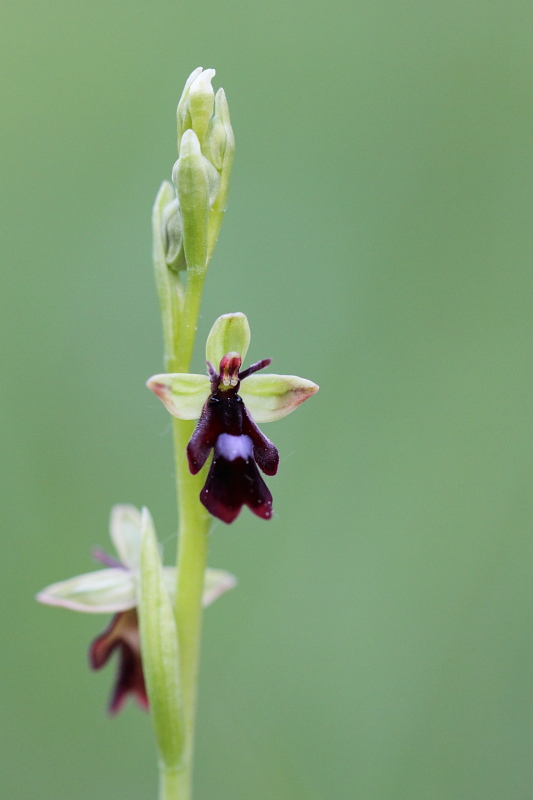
<point>194,523</point>
<point>184,337</point>
<point>174,784</point>
<point>192,556</point>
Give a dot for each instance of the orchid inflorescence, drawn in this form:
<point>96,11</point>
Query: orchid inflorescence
<point>157,610</point>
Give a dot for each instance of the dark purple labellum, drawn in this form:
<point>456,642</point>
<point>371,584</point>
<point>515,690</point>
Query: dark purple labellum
<point>239,447</point>
<point>123,635</point>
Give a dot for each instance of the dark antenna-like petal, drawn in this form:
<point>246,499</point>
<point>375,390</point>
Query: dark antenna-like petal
<point>254,368</point>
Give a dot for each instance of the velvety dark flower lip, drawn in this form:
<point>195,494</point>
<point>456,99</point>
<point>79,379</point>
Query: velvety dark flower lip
<point>122,634</point>
<point>238,447</point>
<point>229,402</point>
<point>232,483</point>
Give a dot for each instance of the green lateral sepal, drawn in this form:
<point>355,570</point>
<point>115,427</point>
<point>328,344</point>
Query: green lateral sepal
<point>182,394</point>
<point>271,397</point>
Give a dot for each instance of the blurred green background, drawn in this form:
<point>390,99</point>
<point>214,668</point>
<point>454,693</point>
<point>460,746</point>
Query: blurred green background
<point>379,237</point>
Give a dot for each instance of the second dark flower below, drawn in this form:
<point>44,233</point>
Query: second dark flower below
<point>122,634</point>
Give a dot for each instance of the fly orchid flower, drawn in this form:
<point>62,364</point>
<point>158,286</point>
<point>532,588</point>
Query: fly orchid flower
<point>115,590</point>
<point>228,403</point>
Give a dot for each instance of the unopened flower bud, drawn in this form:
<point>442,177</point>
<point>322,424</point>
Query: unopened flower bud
<point>220,141</point>
<point>215,142</point>
<point>206,146</point>
<point>172,234</point>
<point>213,178</point>
<point>183,113</point>
<point>195,107</point>
<point>201,102</point>
<point>192,183</point>
<point>220,148</point>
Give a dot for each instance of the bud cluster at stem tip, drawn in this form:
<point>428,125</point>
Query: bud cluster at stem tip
<point>190,222</point>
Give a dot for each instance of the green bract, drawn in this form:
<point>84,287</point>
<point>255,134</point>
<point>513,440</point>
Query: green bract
<point>169,286</point>
<point>200,101</point>
<point>159,649</point>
